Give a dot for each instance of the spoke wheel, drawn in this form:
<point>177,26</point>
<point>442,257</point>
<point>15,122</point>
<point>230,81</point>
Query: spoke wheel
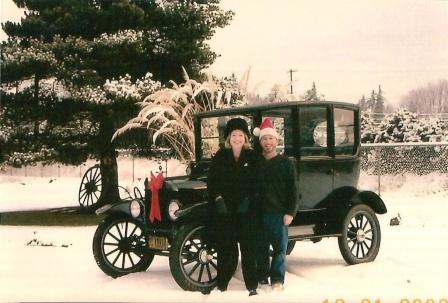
<point>192,263</point>
<point>118,247</point>
<point>90,188</point>
<point>290,247</point>
<point>361,235</point>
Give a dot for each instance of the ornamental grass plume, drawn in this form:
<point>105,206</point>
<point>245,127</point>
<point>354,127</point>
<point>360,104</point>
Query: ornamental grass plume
<point>168,113</point>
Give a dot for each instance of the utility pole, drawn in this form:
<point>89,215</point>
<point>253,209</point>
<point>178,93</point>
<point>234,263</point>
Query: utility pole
<point>290,77</point>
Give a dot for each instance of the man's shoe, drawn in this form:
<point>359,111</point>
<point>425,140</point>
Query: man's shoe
<point>253,292</point>
<point>277,286</point>
<point>263,281</point>
<point>222,288</point>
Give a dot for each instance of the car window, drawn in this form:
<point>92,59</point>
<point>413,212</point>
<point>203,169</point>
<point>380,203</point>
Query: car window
<point>313,127</point>
<point>344,131</point>
<point>281,119</point>
<point>212,133</point>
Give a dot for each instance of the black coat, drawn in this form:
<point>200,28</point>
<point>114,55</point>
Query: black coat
<point>236,182</point>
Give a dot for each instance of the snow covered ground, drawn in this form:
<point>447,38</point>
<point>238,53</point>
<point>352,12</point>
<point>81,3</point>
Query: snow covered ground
<point>39,187</point>
<point>412,263</point>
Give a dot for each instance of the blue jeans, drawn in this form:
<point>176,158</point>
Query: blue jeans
<point>276,235</point>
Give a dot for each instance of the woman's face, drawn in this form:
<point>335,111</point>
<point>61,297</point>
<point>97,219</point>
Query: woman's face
<point>237,139</point>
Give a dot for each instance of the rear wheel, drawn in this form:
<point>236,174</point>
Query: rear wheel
<point>290,247</point>
<point>118,247</point>
<point>361,235</point>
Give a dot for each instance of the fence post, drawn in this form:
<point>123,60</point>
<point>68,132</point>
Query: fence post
<point>379,170</point>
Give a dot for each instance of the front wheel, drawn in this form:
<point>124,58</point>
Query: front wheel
<point>361,235</point>
<point>193,264</point>
<point>118,247</point>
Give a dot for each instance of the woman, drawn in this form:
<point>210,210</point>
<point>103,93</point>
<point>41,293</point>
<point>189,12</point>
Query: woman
<point>232,191</point>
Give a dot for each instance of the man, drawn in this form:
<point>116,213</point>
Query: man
<point>279,205</point>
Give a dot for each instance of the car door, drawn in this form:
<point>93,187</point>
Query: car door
<point>346,147</point>
<point>315,166</point>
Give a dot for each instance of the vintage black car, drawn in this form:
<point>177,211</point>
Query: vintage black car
<point>321,138</point>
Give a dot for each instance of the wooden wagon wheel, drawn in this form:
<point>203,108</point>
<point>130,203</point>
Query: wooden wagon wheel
<point>90,188</point>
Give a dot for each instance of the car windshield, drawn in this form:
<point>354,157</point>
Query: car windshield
<point>212,133</point>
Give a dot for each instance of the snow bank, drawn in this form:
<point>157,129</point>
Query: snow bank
<point>417,185</point>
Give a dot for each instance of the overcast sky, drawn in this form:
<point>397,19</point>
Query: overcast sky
<point>347,47</point>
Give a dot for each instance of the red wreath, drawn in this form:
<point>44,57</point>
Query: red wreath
<point>155,185</point>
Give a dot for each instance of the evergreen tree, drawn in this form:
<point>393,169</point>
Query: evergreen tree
<point>99,52</point>
<point>362,103</point>
<point>379,102</point>
<point>371,101</point>
<point>313,95</point>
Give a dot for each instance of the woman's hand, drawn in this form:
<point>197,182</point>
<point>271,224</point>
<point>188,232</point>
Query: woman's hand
<point>221,207</point>
<point>287,219</point>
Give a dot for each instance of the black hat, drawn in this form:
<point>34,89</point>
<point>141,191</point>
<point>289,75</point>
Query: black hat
<point>236,123</point>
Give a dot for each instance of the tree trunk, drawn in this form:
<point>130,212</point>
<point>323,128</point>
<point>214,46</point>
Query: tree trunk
<point>36,103</point>
<point>108,161</point>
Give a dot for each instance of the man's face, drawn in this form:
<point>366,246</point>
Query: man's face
<point>268,143</point>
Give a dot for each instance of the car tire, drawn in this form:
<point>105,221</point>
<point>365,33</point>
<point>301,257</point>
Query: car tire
<point>193,263</point>
<point>290,247</point>
<point>361,235</point>
<point>116,246</point>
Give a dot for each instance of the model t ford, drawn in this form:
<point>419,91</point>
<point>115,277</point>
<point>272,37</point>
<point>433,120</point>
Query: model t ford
<point>321,138</point>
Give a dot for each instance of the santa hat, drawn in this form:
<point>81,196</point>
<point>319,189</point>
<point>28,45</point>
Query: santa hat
<point>266,128</point>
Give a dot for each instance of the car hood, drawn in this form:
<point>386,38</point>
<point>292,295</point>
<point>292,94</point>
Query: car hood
<point>185,184</point>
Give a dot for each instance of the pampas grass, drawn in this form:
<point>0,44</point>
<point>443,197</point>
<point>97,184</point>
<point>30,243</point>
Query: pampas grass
<point>168,113</point>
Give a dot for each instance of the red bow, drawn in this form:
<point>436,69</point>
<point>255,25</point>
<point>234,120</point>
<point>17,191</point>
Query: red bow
<point>155,184</point>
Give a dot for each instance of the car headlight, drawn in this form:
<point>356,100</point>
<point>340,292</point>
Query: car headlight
<point>173,207</point>
<point>188,170</point>
<point>135,208</point>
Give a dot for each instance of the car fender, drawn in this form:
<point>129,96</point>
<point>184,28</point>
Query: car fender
<point>343,198</point>
<point>339,202</point>
<point>370,198</point>
<point>197,211</point>
<point>115,208</point>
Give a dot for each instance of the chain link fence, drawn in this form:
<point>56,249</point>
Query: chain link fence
<point>389,164</point>
<point>404,158</point>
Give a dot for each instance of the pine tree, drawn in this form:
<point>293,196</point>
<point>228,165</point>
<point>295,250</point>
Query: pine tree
<point>100,53</point>
<point>371,101</point>
<point>362,103</point>
<point>313,95</point>
<point>380,101</point>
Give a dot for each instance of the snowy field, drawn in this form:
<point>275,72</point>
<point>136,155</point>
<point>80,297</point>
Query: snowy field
<point>412,262</point>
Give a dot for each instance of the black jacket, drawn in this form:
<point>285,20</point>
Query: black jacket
<point>278,186</point>
<point>235,181</point>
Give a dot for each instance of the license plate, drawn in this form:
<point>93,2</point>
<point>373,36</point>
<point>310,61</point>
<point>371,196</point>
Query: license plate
<point>158,243</point>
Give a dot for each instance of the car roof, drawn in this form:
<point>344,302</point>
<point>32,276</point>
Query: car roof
<point>267,106</point>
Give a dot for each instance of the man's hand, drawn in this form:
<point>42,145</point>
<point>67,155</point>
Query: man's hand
<point>287,219</point>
